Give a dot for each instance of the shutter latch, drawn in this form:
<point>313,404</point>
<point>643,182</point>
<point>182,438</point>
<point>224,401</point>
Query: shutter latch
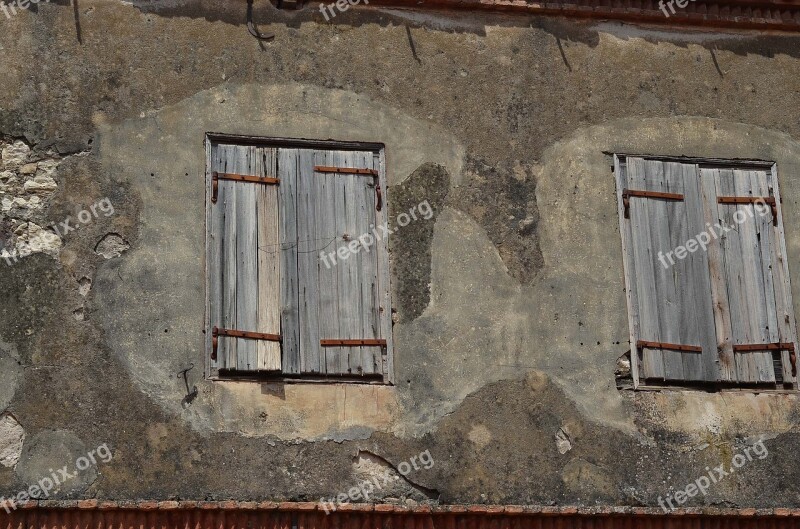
<point>753,200</point>
<point>216,332</point>
<point>628,193</point>
<point>216,177</point>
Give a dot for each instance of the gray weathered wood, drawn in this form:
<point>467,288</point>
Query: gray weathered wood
<point>246,260</point>
<point>644,265</point>
<point>743,265</point>
<point>672,296</point>
<point>227,199</point>
<point>311,244</point>
<point>268,354</point>
<point>725,361</point>
<point>328,275</point>
<point>290,317</point>
<point>621,176</point>
<point>783,295</point>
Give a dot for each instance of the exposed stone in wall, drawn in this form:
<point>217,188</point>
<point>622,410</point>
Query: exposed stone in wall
<point>110,246</point>
<point>369,467</point>
<point>12,435</point>
<point>27,183</point>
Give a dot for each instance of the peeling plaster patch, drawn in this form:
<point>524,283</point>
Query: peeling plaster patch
<point>563,443</point>
<point>480,435</point>
<point>111,246</point>
<point>12,435</point>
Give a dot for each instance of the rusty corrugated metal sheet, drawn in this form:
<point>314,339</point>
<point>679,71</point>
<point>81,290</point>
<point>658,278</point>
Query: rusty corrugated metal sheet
<point>236,516</point>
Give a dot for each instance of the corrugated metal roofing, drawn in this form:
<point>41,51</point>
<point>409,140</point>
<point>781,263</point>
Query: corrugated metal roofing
<point>268,515</point>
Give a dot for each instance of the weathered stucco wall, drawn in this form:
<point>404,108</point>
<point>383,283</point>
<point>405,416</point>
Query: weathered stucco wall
<point>510,301</point>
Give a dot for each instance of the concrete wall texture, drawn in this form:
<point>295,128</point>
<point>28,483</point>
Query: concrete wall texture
<point>510,301</point>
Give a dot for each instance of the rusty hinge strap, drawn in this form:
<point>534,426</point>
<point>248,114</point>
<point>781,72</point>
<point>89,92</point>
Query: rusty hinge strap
<point>628,193</point>
<point>753,200</point>
<point>780,346</point>
<point>669,346</point>
<point>345,170</point>
<point>334,343</point>
<point>351,170</point>
<point>216,177</point>
<point>216,332</point>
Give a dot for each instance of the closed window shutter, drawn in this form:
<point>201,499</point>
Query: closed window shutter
<point>338,301</point>
<point>671,309</point>
<point>756,313</point>
<point>245,267</point>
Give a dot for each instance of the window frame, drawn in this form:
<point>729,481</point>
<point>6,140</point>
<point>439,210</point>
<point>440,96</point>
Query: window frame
<point>382,248</point>
<point>735,163</point>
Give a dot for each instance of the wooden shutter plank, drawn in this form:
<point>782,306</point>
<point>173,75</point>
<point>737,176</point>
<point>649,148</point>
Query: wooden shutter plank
<point>652,360</point>
<point>287,204</point>
<point>667,221</point>
<point>761,229</point>
<point>725,361</point>
<point>621,175</point>
<point>268,354</point>
<point>371,357</point>
<point>783,295</point>
<point>745,280</point>
<point>344,186</point>
<point>328,277</point>
<point>698,291</point>
<point>246,261</point>
<point>227,196</point>
<point>690,275</point>
<point>215,259</point>
<point>312,242</point>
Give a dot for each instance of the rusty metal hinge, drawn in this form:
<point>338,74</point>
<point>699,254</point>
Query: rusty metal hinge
<point>353,343</point>
<point>669,346</point>
<point>753,200</point>
<point>352,170</point>
<point>216,177</point>
<point>628,193</point>
<point>778,346</point>
<point>216,332</point>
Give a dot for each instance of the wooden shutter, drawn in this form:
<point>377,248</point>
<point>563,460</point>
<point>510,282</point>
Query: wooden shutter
<point>755,312</point>
<point>672,321</point>
<point>245,250</point>
<point>340,301</point>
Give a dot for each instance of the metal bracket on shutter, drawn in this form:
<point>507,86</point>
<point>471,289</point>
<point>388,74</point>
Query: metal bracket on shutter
<point>352,170</point>
<point>352,343</point>
<point>641,344</point>
<point>216,177</point>
<point>780,346</point>
<point>628,193</point>
<point>753,200</point>
<point>216,332</point>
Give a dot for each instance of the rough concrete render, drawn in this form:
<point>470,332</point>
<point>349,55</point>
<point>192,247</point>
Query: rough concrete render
<point>511,327</point>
